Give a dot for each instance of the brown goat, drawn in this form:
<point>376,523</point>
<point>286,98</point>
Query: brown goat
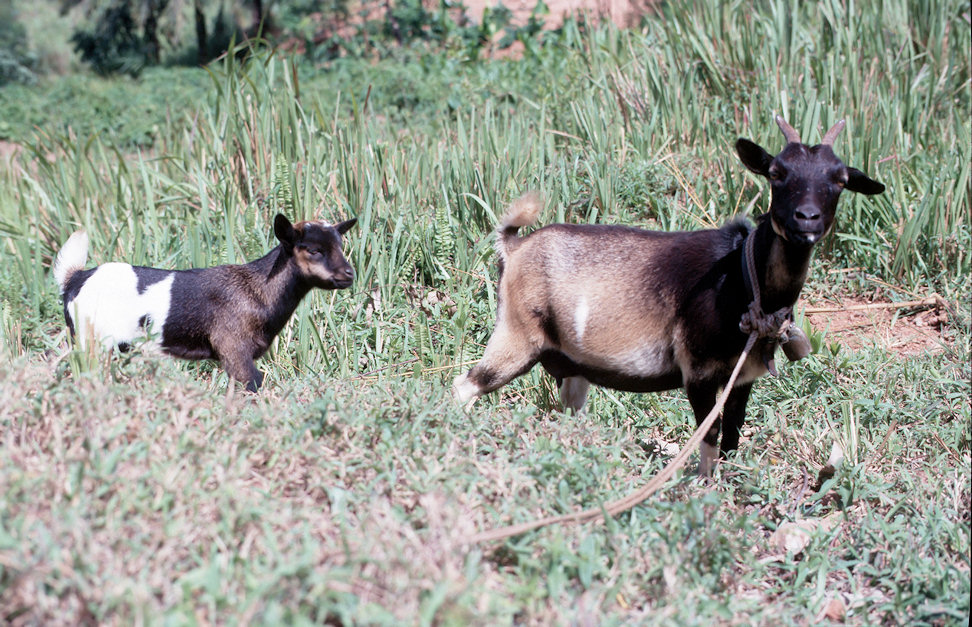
<point>645,311</point>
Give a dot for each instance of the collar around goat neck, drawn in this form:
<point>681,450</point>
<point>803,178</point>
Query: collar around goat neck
<point>772,326</point>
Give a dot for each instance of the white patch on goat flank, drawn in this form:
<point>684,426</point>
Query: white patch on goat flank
<point>155,302</point>
<point>109,307</point>
<point>647,360</point>
<point>581,312</point>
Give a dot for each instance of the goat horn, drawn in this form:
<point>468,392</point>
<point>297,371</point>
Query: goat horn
<point>788,131</point>
<point>828,139</point>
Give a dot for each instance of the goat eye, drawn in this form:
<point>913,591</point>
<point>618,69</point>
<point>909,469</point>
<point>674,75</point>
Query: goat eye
<point>313,252</point>
<point>775,174</point>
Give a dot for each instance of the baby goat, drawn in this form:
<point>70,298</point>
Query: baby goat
<point>645,311</point>
<point>230,313</point>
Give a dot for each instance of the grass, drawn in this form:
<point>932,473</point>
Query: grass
<point>333,500</point>
<point>138,490</point>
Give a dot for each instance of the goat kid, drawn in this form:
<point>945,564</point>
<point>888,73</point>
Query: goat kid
<point>230,313</point>
<point>645,311</point>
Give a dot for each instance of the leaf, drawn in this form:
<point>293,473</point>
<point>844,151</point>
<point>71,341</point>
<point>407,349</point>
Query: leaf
<point>835,610</point>
<point>794,536</point>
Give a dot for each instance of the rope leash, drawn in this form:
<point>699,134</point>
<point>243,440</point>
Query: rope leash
<point>614,508</point>
<point>757,324</point>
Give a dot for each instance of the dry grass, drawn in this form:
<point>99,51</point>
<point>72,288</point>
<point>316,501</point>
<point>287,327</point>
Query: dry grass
<point>139,494</point>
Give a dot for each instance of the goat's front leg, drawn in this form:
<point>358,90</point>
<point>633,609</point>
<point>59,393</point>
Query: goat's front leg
<point>237,360</point>
<point>702,398</point>
<point>243,370</point>
<point>733,416</point>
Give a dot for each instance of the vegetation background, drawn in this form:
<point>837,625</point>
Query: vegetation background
<point>135,489</point>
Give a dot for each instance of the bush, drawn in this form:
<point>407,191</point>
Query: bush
<point>111,45</point>
<point>16,59</point>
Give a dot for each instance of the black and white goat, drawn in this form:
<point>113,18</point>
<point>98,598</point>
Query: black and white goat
<point>645,311</point>
<point>230,313</point>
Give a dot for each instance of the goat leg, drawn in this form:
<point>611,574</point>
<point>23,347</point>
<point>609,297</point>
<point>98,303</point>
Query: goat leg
<point>733,416</point>
<point>508,355</point>
<point>702,398</point>
<point>239,365</point>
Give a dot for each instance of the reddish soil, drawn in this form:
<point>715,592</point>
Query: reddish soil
<point>624,13</point>
<point>857,323</point>
<point>8,150</point>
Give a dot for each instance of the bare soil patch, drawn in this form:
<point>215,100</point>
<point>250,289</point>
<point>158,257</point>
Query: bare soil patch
<point>8,153</point>
<point>624,13</point>
<point>856,322</point>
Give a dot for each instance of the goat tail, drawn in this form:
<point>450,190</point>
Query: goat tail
<point>524,211</point>
<point>71,258</point>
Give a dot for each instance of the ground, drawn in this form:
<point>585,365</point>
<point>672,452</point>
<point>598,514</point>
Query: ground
<point>856,322</point>
<point>625,13</point>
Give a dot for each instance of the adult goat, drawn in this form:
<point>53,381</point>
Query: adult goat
<point>645,311</point>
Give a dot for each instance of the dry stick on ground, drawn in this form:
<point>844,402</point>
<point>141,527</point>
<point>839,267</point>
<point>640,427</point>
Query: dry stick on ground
<point>623,504</point>
<point>398,364</point>
<point>931,301</point>
<point>948,449</point>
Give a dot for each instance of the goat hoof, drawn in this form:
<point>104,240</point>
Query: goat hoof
<point>797,346</point>
<point>464,391</point>
<point>708,459</point>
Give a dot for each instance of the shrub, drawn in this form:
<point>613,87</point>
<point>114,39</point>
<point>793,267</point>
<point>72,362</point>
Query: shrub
<point>16,59</point>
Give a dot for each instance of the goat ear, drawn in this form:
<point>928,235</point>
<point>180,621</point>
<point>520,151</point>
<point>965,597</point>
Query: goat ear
<point>861,183</point>
<point>753,156</point>
<point>284,231</point>
<point>345,226</point>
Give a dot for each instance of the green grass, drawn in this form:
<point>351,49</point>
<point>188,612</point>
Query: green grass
<point>134,489</point>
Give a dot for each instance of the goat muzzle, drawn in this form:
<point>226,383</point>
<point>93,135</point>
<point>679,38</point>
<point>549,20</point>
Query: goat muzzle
<point>343,277</point>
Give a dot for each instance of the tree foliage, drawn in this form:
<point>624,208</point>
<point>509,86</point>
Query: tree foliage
<point>112,43</point>
<point>127,35</point>
<point>16,58</point>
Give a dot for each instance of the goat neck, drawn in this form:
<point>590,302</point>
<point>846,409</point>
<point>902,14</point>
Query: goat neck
<point>780,267</point>
<point>277,286</point>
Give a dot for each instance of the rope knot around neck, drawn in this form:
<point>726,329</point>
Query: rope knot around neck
<point>778,326</point>
<point>773,326</point>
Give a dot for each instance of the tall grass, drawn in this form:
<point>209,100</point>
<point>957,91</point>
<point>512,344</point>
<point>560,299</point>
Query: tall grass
<point>610,126</point>
<point>631,127</point>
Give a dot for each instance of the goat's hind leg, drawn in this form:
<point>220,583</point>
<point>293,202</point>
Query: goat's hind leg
<point>573,393</point>
<point>507,356</point>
